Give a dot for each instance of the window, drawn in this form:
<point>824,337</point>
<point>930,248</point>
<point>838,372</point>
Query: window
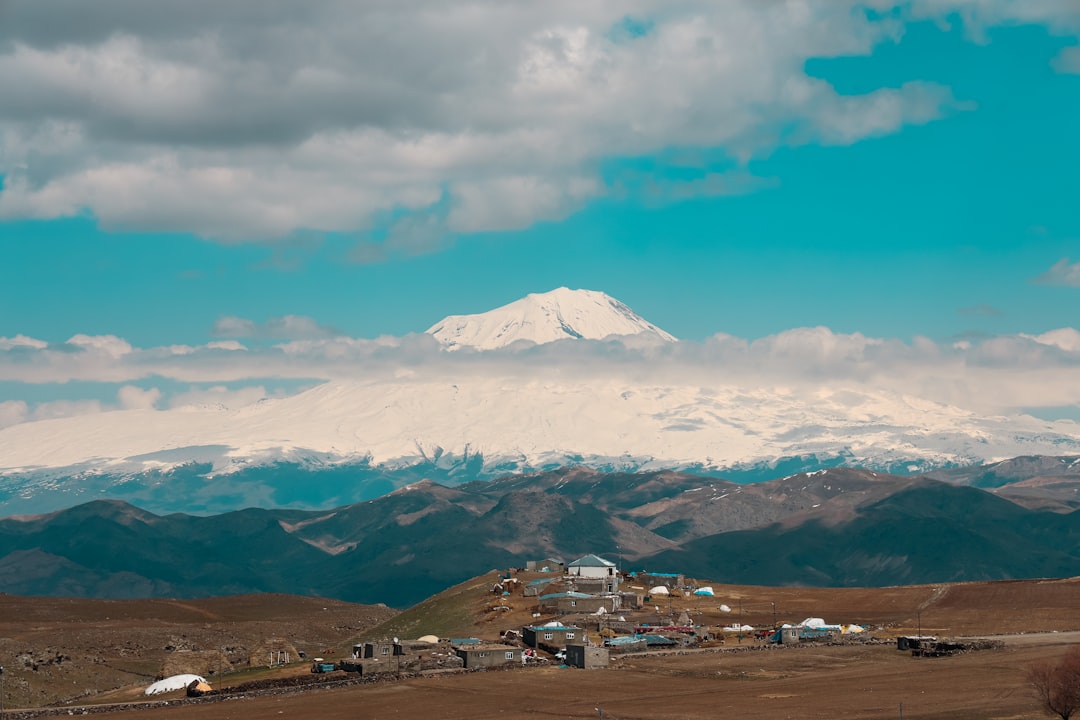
<point>385,651</point>
<point>573,603</point>
<point>569,636</point>
<point>481,654</point>
<point>509,654</point>
<point>548,636</point>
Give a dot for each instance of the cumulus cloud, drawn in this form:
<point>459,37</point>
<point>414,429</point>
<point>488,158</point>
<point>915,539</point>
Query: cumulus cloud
<point>240,121</point>
<point>1061,273</point>
<point>131,397</point>
<point>21,341</point>
<point>1065,338</point>
<point>13,412</point>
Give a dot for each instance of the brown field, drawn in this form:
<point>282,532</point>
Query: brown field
<point>1039,619</point>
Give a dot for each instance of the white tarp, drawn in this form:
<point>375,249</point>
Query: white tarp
<point>739,628</point>
<point>176,682</point>
<point>704,591</point>
<point>725,608</point>
<point>659,590</point>
<point>429,639</point>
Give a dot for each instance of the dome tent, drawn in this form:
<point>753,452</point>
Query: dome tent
<point>176,682</point>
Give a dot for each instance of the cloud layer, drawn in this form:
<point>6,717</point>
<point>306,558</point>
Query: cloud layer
<point>990,375</point>
<point>241,121</point>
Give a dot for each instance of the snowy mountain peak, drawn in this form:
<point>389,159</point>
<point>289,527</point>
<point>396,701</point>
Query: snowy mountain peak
<point>545,317</point>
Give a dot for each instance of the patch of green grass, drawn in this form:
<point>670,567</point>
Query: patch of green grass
<point>448,614</point>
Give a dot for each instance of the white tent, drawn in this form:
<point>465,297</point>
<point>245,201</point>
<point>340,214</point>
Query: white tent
<point>176,682</point>
<point>659,590</point>
<point>704,591</point>
<point>429,639</point>
<point>725,608</point>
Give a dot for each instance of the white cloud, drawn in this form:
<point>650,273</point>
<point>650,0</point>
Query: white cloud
<point>243,121</point>
<point>13,412</point>
<point>131,397</point>
<point>287,327</point>
<point>105,344</point>
<point>1061,273</point>
<point>21,341</point>
<point>1065,338</point>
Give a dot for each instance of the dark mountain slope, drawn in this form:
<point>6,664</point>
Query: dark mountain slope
<point>930,532</point>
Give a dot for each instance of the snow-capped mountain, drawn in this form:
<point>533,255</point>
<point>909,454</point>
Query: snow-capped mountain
<point>545,317</point>
<point>451,423</point>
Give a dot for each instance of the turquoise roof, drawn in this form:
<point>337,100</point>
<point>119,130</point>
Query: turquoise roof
<point>575,595</point>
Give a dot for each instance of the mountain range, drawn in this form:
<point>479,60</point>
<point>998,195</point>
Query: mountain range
<point>350,440</point>
<point>835,527</point>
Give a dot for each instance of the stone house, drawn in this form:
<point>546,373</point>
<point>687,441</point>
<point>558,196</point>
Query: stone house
<point>550,635</point>
<point>587,657</point>
<point>484,656</point>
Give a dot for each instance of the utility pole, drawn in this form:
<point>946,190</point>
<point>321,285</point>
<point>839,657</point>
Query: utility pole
<point>1,691</point>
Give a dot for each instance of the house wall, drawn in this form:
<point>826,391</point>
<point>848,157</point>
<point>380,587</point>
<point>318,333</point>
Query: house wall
<point>489,656</point>
<point>533,637</point>
<point>587,605</point>
<point>593,572</point>
<point>600,584</point>
<point>588,657</point>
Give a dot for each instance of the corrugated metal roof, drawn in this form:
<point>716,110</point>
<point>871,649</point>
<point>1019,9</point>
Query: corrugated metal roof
<point>575,595</point>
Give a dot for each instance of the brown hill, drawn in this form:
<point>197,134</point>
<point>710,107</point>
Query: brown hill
<point>62,649</point>
<point>744,680</point>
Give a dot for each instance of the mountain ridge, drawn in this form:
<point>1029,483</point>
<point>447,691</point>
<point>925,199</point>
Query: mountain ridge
<point>834,527</point>
<point>515,411</point>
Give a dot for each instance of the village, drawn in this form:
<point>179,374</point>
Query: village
<point>587,614</point>
<point>583,613</point>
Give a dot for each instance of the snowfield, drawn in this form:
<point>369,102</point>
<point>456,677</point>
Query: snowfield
<point>533,424</point>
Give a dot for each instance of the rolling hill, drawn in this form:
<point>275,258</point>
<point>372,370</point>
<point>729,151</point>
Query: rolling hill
<point>838,527</point>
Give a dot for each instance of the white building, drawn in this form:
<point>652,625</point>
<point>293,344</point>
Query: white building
<point>593,569</point>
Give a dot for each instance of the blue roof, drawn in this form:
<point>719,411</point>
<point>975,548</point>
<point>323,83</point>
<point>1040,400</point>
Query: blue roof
<point>659,640</point>
<point>624,640</point>
<point>652,574</point>
<point>541,581</point>
<point>553,627</point>
<point>566,595</point>
<point>464,641</point>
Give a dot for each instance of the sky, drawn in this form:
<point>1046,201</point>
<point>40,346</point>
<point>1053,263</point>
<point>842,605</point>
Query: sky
<point>228,200</point>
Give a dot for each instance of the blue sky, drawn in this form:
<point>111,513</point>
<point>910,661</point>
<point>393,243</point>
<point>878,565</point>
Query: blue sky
<point>899,171</point>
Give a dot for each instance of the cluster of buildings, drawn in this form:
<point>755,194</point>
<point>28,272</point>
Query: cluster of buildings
<point>584,612</point>
<point>588,594</point>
